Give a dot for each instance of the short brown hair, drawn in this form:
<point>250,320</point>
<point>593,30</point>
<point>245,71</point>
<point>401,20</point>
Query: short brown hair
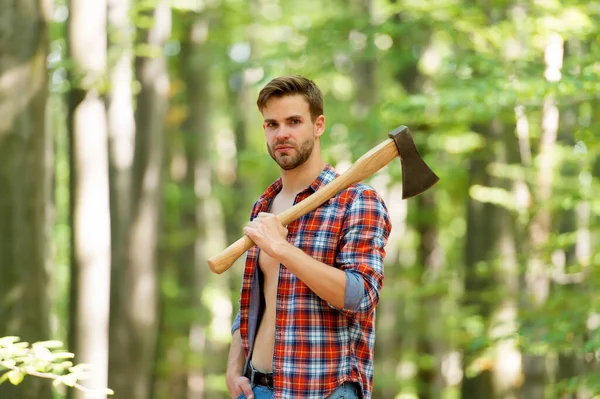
<point>290,85</point>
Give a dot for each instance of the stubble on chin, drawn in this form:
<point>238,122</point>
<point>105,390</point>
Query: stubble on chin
<point>289,162</point>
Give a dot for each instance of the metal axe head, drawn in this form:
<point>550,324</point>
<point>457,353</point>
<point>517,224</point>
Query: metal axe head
<point>417,177</point>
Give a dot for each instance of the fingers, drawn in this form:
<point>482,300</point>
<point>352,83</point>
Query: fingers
<point>263,216</point>
<point>264,229</point>
<point>258,224</point>
<point>247,389</point>
<point>242,386</point>
<point>252,228</point>
<point>261,219</point>
<point>267,219</point>
<point>250,232</point>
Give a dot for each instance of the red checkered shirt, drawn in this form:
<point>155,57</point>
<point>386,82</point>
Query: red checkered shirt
<point>317,346</point>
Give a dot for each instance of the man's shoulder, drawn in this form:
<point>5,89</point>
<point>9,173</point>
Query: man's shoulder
<point>360,191</point>
<point>362,204</point>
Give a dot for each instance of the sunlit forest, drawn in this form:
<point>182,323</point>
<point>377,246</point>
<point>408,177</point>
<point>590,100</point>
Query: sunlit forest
<point>132,150</point>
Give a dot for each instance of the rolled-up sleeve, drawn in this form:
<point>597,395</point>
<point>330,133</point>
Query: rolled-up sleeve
<point>355,290</point>
<point>361,252</point>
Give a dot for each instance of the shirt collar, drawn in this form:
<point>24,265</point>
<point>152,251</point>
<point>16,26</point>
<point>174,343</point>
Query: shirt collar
<point>327,175</point>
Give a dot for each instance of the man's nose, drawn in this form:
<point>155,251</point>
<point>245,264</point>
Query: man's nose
<point>283,132</point>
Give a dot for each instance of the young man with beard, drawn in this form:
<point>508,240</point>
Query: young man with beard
<point>306,325</point>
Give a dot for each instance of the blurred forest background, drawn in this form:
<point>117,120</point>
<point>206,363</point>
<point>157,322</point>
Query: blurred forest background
<point>131,150</point>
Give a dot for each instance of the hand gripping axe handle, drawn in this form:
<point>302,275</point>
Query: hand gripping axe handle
<point>417,177</point>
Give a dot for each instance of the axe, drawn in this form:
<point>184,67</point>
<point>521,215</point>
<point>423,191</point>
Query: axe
<point>417,177</point>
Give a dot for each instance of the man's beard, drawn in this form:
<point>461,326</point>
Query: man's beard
<point>288,162</point>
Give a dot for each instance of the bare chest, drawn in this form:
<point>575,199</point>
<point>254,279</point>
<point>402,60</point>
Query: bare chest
<point>268,265</point>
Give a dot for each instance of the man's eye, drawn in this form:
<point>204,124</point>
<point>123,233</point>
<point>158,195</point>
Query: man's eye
<point>295,121</point>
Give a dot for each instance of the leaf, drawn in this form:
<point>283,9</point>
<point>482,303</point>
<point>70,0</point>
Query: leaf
<point>591,346</point>
<point>66,365</point>
<point>80,368</point>
<point>50,344</point>
<point>15,377</point>
<point>63,355</point>
<point>9,363</point>
<point>8,341</point>
<point>69,380</point>
<point>42,353</point>
<point>479,343</point>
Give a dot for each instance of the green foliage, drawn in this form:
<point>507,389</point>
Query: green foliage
<point>45,359</point>
<point>449,69</point>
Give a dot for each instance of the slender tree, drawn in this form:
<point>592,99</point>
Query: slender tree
<point>26,204</point>
<point>121,133</point>
<point>183,340</point>
<point>537,278</point>
<point>141,283</point>
<point>427,340</point>
<point>90,213</point>
<point>198,139</point>
<point>476,251</point>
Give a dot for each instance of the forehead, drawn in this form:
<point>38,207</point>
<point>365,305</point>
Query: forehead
<point>281,107</point>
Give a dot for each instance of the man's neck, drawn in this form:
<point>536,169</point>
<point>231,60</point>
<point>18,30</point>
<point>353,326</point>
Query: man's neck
<point>297,179</point>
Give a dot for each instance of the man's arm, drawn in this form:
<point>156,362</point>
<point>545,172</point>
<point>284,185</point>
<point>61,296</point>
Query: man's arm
<point>235,362</point>
<point>365,232</point>
<point>327,282</point>
<point>269,235</point>
<point>236,382</point>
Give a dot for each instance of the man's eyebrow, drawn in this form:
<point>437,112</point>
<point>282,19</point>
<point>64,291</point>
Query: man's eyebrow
<point>287,119</point>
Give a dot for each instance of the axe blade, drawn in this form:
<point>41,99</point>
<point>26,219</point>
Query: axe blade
<point>417,176</point>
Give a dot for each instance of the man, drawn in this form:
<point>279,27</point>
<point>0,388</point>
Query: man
<point>306,325</point>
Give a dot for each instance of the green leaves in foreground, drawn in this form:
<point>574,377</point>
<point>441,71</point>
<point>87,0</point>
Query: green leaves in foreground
<point>44,359</point>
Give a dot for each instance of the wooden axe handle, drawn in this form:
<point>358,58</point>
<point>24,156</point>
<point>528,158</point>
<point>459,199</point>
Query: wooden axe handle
<point>364,167</point>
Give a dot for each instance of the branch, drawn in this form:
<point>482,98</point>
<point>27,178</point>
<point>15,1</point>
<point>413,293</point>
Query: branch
<point>51,376</point>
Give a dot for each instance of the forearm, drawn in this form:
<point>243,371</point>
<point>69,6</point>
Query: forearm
<point>235,363</point>
<point>329,283</point>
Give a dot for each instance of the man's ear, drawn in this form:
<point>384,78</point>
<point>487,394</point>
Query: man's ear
<point>320,125</point>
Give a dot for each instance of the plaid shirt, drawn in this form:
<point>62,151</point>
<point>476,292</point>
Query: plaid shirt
<point>319,347</point>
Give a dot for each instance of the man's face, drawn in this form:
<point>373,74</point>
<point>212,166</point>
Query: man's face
<point>289,130</point>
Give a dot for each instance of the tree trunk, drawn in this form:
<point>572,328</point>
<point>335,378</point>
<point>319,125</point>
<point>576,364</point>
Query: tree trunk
<point>141,282</point>
<point>197,130</point>
<point>237,212</point>
<point>121,133</point>
<point>427,321</point>
<point>25,181</point>
<point>506,371</point>
<point>238,98</point>
<point>190,176</point>
<point>364,71</point>
<point>431,259</point>
<point>571,364</point>
<point>537,278</point>
<point>90,212</point>
<point>492,267</point>
<point>478,242</point>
